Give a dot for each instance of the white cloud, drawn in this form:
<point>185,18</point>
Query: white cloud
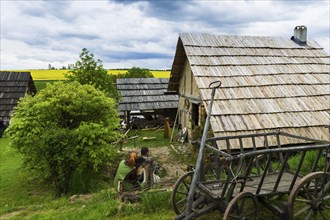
<point>140,33</point>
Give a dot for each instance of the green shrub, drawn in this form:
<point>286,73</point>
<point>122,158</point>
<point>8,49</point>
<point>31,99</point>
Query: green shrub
<point>64,133</point>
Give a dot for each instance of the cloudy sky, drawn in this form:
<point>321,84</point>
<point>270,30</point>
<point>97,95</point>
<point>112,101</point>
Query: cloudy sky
<point>124,34</point>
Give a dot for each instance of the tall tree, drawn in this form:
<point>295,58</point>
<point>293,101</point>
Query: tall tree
<point>65,130</point>
<point>89,70</point>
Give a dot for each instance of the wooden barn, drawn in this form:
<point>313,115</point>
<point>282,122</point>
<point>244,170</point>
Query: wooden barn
<point>147,97</point>
<point>268,84</point>
<point>13,85</point>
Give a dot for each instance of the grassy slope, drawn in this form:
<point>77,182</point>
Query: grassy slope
<point>23,198</point>
<point>15,187</point>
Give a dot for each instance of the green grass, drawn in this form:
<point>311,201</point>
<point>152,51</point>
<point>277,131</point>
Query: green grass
<point>308,162</point>
<point>41,84</point>
<point>102,205</point>
<point>17,189</point>
<point>138,142</point>
<point>21,197</point>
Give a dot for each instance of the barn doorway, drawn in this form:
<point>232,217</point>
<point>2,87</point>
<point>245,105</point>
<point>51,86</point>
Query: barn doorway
<point>195,114</point>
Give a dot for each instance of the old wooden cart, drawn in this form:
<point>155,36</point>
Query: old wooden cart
<point>292,181</point>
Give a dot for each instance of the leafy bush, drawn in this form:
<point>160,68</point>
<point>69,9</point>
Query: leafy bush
<point>64,130</point>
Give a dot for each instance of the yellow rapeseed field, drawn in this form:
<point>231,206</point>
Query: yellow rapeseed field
<point>161,73</point>
<point>59,74</point>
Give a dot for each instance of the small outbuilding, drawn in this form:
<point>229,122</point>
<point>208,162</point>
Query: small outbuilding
<point>13,86</point>
<point>145,101</point>
<point>268,84</point>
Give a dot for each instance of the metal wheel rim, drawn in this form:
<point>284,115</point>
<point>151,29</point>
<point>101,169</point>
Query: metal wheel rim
<point>239,207</point>
<point>178,205</point>
<point>313,201</point>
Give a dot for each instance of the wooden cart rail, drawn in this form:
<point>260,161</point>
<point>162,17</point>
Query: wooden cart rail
<point>239,138</point>
<point>246,176</point>
<point>265,177</point>
<point>261,175</point>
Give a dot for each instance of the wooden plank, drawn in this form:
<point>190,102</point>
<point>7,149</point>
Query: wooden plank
<point>269,182</point>
<point>258,70</point>
<point>245,51</point>
<point>215,188</point>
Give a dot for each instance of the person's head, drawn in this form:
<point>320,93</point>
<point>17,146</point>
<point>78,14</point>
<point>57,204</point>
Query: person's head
<point>131,159</point>
<point>144,151</point>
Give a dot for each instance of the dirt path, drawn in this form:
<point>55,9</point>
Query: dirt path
<point>163,155</point>
<point>168,161</point>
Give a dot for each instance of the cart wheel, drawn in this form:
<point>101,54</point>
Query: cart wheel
<point>180,192</point>
<point>310,197</point>
<point>242,206</point>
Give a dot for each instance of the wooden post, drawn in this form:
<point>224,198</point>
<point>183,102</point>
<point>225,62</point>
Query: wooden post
<point>128,120</point>
<point>176,117</point>
<point>167,129</point>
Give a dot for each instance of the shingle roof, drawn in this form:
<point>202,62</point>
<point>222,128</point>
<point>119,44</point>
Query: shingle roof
<point>145,94</point>
<point>267,82</point>
<point>13,85</point>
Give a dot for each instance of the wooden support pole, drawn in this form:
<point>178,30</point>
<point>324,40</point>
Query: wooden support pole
<point>167,129</point>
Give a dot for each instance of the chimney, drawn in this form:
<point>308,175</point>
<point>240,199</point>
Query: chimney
<point>300,35</point>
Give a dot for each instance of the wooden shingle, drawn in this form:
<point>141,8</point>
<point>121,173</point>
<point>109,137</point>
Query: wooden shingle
<point>13,85</point>
<point>140,94</point>
<point>268,83</point>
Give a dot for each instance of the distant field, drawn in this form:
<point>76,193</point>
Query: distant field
<point>58,74</point>
<point>161,73</point>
